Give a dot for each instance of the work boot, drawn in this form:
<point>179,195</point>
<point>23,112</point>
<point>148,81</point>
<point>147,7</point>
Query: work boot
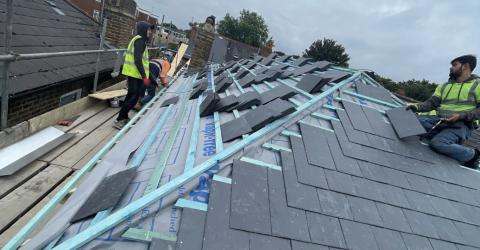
<point>473,163</point>
<point>137,106</point>
<point>120,124</point>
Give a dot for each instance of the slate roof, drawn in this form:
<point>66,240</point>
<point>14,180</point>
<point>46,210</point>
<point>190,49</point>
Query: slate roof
<point>332,173</point>
<point>38,28</point>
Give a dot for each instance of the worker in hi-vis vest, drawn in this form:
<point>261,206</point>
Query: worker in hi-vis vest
<point>158,71</point>
<point>457,103</point>
<point>136,68</point>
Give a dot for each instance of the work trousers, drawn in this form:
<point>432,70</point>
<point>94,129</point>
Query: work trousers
<point>448,141</point>
<point>134,87</point>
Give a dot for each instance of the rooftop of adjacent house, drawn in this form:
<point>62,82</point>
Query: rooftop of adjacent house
<point>271,153</point>
<point>52,26</point>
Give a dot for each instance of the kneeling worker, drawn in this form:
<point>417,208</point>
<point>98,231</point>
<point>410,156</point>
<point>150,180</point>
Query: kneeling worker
<point>158,70</point>
<point>457,103</point>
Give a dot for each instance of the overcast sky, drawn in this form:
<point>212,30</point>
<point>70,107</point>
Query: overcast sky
<point>399,39</point>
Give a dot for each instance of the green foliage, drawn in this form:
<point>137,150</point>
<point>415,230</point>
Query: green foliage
<point>415,89</point>
<point>418,90</point>
<point>249,28</point>
<point>329,50</point>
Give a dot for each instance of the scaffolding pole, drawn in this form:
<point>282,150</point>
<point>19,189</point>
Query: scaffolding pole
<point>97,65</point>
<point>5,64</point>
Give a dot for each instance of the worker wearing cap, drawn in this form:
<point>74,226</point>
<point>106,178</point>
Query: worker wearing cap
<point>136,68</point>
<point>158,71</point>
<point>457,103</point>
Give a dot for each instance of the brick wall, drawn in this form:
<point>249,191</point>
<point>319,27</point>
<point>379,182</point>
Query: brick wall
<point>121,21</point>
<point>203,42</point>
<point>28,105</point>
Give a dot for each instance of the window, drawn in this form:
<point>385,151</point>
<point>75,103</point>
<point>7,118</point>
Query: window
<point>70,97</point>
<point>96,15</point>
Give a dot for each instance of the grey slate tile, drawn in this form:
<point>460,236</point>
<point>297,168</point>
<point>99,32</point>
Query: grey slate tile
<point>446,208</point>
<point>316,147</point>
<point>404,122</point>
<point>169,101</point>
<point>306,173</point>
<point>378,124</point>
<point>421,223</point>
<point>419,183</point>
<point>353,135</point>
<point>226,103</point>
<point>218,235</point>
<point>191,229</point>
<point>161,244</point>
<point>223,85</point>
<point>414,242</point>
<point>357,117</point>
<point>358,235</point>
<point>374,92</point>
<point>259,117</point>
<point>342,163</point>
<point>250,210</point>
<point>325,230</point>
<point>463,247</point>
<point>336,76</point>
<point>298,245</point>
<point>281,108</point>
<point>393,217</point>
<point>469,233</point>
<point>302,61</point>
<point>298,194</point>
<point>247,100</point>
<point>447,230</point>
<point>364,210</point>
<point>312,83</point>
<point>281,91</point>
<point>287,222</point>
<point>340,182</point>
<point>368,189</point>
<point>373,171</point>
<point>235,128</point>
<point>207,107</point>
<point>114,185</point>
<point>419,202</point>
<point>442,245</point>
<point>334,204</point>
<point>388,239</point>
<point>262,242</point>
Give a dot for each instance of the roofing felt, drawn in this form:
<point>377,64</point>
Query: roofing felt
<point>38,28</point>
<point>331,175</point>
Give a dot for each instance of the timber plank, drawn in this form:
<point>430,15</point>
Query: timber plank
<point>81,131</point>
<point>83,116</point>
<point>19,201</point>
<point>22,221</point>
<point>10,182</point>
<point>81,163</point>
<point>75,153</point>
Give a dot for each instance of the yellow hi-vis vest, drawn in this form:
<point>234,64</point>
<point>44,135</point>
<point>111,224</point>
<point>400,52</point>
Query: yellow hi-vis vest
<point>129,67</point>
<point>458,97</point>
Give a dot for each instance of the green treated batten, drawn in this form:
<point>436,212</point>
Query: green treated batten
<point>146,236</point>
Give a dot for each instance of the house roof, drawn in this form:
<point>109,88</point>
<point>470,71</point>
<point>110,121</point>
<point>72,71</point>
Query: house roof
<point>321,166</point>
<point>38,27</point>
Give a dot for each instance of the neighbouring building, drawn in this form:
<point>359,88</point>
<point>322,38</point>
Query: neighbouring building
<point>39,85</point>
<point>92,8</point>
<point>121,21</point>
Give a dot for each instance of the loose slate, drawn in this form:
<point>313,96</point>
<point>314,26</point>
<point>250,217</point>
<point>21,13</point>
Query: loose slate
<point>196,92</point>
<point>207,107</point>
<point>320,66</point>
<point>169,101</point>
<point>260,117</point>
<point>247,81</point>
<point>226,103</point>
<point>242,73</point>
<point>247,100</point>
<point>336,76</point>
<point>287,222</point>
<point>268,76</point>
<point>234,129</point>
<point>250,210</point>
<point>281,107</point>
<point>316,145</point>
<point>190,232</point>
<point>223,85</point>
<point>374,92</point>
<point>405,122</point>
<point>106,195</point>
<point>378,124</point>
<point>312,83</point>
<point>302,61</point>
<point>281,91</point>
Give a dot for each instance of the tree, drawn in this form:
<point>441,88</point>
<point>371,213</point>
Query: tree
<point>170,26</point>
<point>249,28</point>
<point>328,50</point>
<point>418,90</point>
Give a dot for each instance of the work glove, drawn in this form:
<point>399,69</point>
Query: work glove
<point>412,108</point>
<point>146,81</point>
